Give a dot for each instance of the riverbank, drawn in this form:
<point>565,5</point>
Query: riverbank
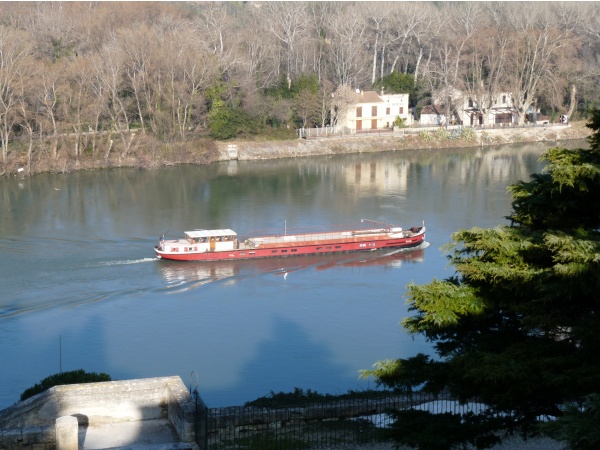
<point>148,153</point>
<point>399,140</point>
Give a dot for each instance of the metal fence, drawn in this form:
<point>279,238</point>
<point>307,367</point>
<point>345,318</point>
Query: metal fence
<point>337,424</point>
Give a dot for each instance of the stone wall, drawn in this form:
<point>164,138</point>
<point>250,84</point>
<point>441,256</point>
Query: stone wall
<point>30,423</point>
<point>401,139</point>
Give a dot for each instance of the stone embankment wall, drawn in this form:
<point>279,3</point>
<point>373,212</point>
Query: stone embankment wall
<point>402,139</point>
<point>31,423</point>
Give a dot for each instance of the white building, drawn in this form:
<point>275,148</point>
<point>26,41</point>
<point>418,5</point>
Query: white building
<point>501,111</point>
<point>372,111</point>
<point>460,108</point>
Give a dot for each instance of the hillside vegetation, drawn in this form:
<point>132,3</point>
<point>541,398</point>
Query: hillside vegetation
<point>100,84</point>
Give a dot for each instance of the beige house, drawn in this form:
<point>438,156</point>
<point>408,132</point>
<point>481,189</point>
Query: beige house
<point>372,111</point>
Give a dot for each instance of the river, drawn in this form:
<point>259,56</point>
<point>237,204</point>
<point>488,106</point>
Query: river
<point>81,288</point>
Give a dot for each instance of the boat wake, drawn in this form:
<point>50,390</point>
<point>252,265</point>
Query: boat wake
<point>66,301</point>
<point>127,262</point>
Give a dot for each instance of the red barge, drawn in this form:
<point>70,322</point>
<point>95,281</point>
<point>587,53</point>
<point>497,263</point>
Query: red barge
<point>224,244</point>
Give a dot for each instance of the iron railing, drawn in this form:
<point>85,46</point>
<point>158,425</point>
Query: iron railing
<point>338,424</point>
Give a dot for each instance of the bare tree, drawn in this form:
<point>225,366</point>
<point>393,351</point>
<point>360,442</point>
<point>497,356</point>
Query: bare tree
<point>108,86</point>
<point>427,24</point>
<point>26,110</point>
<point>191,68</point>
<point>257,57</point>
<point>348,31</point>
<point>319,12</point>
<point>79,103</point>
<point>376,13</point>
<point>342,100</point>
<point>306,105</point>
<point>288,22</point>
<point>484,64</point>
<point>219,30</point>
<point>51,78</point>
<point>14,57</point>
<point>538,43</point>
<point>137,47</point>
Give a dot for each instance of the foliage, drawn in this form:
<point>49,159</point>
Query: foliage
<point>396,83</point>
<point>290,89</point>
<point>300,397</point>
<point>442,133</point>
<point>426,431</point>
<point>401,83</point>
<point>485,137</point>
<point>465,134</point>
<point>579,426</point>
<point>400,122</point>
<point>227,122</point>
<point>426,135</point>
<point>73,377</point>
<point>517,325</point>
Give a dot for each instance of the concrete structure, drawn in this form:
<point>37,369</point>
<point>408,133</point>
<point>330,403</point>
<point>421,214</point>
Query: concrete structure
<point>146,413</point>
<point>67,433</point>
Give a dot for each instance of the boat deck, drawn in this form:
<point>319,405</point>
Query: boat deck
<point>341,236</point>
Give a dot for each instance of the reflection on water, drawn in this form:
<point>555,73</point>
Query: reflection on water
<point>183,276</point>
<point>77,262</point>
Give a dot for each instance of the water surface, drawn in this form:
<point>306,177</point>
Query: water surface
<point>81,287</point>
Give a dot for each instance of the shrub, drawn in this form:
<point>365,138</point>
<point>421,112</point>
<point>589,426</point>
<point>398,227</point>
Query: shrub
<point>400,122</point>
<point>73,377</point>
<point>425,135</point>
<point>442,133</point>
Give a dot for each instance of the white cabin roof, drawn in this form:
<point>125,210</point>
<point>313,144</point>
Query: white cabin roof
<point>208,233</point>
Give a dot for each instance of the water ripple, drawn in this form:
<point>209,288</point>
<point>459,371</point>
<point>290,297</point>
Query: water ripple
<point>127,262</point>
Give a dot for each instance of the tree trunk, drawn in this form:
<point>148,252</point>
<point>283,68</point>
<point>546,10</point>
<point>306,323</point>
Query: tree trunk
<point>572,101</point>
<point>374,61</point>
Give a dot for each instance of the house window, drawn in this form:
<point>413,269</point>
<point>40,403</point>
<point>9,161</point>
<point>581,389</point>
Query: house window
<point>387,111</point>
<point>373,111</point>
<point>470,103</point>
<point>402,110</point>
<point>504,99</point>
<point>359,111</point>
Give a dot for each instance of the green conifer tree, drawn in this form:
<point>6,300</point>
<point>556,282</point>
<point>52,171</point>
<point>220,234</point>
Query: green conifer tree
<point>518,324</point>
